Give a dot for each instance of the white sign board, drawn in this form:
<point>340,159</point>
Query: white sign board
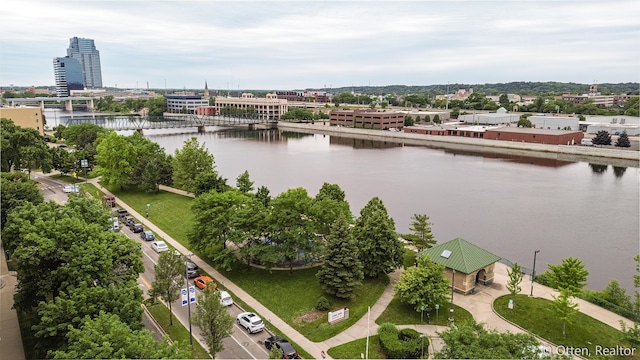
<point>510,304</point>
<point>184,296</point>
<point>192,294</point>
<point>338,315</point>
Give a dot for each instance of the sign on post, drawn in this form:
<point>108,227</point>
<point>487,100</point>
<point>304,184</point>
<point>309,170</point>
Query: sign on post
<point>84,163</point>
<point>192,294</point>
<point>184,296</point>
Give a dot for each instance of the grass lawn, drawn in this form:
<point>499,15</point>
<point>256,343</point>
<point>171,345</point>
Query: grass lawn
<point>293,297</point>
<point>92,190</point>
<point>169,211</point>
<point>537,316</point>
<point>67,178</point>
<point>352,350</point>
<point>177,332</point>
<point>400,313</point>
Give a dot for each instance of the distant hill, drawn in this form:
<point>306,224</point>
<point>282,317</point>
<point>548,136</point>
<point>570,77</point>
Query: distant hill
<point>517,87</point>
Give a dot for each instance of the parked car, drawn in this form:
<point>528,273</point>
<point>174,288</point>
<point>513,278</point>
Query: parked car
<point>110,200</point>
<point>192,270</point>
<point>147,235</point>
<point>288,351</point>
<point>71,189</point>
<point>129,221</point>
<point>250,321</point>
<point>137,227</point>
<point>159,246</point>
<point>225,298</point>
<point>122,213</point>
<point>204,281</point>
<point>586,142</point>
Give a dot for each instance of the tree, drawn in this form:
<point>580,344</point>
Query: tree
<point>107,337</point>
<point>17,189</point>
<point>424,285</point>
<point>408,120</point>
<point>524,121</point>
<point>58,131</point>
<point>214,320</point>
<point>22,148</point>
<point>473,341</point>
<point>630,334</point>
<point>515,278</point>
<point>421,227</point>
<point>436,119</point>
<point>81,135</point>
<point>571,276</point>
<point>381,251</point>
<point>504,101</point>
<point>157,106</point>
<point>115,160</point>
<point>341,273</point>
<point>564,308</point>
<point>263,195</point>
<point>616,294</point>
<point>602,138</point>
<point>636,284</point>
<point>169,272</point>
<point>208,181</point>
<point>190,161</point>
<point>623,140</point>
<point>327,206</point>
<point>243,183</point>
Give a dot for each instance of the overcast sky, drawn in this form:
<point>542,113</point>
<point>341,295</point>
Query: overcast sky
<point>314,44</point>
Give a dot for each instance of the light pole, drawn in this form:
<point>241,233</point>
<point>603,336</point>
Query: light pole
<point>533,273</point>
<point>186,280</point>
<point>453,281</point>
<point>422,336</point>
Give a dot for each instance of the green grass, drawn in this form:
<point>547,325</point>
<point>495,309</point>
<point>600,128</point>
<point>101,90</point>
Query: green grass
<point>537,316</point>
<point>92,190</point>
<point>177,332</point>
<point>170,212</point>
<point>293,295</point>
<point>352,350</point>
<point>400,313</point>
<point>67,178</point>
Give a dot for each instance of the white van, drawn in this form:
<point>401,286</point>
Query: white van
<point>225,298</point>
<point>586,142</point>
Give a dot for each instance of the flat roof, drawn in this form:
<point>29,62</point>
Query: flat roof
<point>521,130</point>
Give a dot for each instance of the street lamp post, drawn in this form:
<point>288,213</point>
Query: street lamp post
<point>533,273</point>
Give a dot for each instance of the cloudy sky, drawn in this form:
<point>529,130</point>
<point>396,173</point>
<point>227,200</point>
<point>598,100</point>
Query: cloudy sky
<point>313,44</point>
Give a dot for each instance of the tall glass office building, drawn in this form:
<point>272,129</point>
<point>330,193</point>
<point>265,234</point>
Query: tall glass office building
<point>68,73</point>
<point>84,50</point>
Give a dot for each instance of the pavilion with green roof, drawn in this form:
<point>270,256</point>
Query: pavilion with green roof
<point>466,263</point>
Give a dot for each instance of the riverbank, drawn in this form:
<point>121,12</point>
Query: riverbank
<point>595,155</point>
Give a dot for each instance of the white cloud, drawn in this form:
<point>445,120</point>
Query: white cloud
<point>291,44</point>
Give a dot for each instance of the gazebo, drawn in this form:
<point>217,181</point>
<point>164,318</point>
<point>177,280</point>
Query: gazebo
<point>465,262</point>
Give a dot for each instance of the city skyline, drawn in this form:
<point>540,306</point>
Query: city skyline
<point>296,45</point>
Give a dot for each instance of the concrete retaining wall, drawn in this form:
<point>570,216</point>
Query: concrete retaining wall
<point>561,152</point>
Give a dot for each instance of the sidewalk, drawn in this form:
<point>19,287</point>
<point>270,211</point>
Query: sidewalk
<point>10,337</point>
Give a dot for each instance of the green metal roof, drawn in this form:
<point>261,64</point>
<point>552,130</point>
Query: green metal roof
<point>463,256</point>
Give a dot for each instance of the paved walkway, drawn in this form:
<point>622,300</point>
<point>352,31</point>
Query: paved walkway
<point>479,304</point>
<point>10,338</point>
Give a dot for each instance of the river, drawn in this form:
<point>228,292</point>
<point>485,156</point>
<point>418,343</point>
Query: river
<point>509,205</point>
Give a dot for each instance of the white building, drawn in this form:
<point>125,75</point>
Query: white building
<point>501,116</point>
<point>614,129</point>
<point>554,122</point>
<point>269,108</point>
<point>176,103</point>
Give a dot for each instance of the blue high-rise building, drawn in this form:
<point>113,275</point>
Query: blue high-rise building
<point>68,74</point>
<point>84,50</point>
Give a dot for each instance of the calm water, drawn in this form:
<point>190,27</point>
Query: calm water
<point>510,206</point>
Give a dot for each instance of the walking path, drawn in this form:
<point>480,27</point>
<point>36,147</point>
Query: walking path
<point>10,338</point>
<point>479,304</point>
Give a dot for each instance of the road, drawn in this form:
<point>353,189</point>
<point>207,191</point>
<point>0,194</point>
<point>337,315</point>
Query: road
<point>239,345</point>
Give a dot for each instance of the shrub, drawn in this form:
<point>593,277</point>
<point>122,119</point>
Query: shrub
<point>323,304</point>
<point>400,344</point>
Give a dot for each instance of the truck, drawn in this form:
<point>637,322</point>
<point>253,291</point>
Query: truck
<point>110,200</point>
<point>586,142</point>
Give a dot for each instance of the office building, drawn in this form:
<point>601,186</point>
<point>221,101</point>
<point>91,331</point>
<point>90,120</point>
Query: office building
<point>25,117</point>
<point>267,108</point>
<point>185,103</point>
<point>68,75</point>
<point>84,50</point>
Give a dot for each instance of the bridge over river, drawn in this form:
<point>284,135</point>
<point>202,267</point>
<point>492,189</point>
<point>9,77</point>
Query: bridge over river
<point>141,123</point>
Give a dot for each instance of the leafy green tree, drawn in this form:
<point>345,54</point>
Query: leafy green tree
<point>504,101</point>
<point>22,148</point>
<point>381,251</point>
<point>169,273</point>
<point>81,135</point>
<point>424,285</point>
<point>263,195</point>
<point>515,278</point>
<point>58,131</point>
<point>436,119</point>
<point>564,309</point>
<point>408,120</point>
<point>623,140</point>
<point>157,106</point>
<point>214,320</point>
<point>244,183</point>
<point>341,273</point>
<point>17,189</point>
<point>291,227</point>
<point>602,138</point>
<point>524,121</point>
<point>473,341</point>
<point>209,181</point>
<point>636,284</point>
<point>107,337</point>
<point>570,275</point>
<point>188,162</point>
<point>275,353</point>
<point>115,160</point>
<point>616,294</point>
<point>630,334</point>
<point>327,206</point>
<point>421,227</point>
<point>62,160</point>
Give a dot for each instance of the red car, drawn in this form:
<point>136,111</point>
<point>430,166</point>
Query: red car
<point>204,281</point>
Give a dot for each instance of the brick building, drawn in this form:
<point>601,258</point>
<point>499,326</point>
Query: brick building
<point>532,135</point>
<point>366,119</point>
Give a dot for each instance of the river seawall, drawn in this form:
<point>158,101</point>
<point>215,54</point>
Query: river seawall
<point>615,157</point>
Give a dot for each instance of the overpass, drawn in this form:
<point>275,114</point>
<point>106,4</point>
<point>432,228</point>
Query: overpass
<point>171,121</point>
<point>68,101</point>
